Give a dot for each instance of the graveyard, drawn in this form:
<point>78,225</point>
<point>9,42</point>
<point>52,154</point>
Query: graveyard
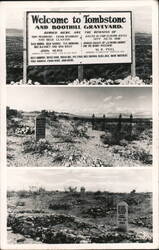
<point>74,215</point>
<point>62,139</point>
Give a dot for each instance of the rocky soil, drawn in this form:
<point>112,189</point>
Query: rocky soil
<point>60,228</point>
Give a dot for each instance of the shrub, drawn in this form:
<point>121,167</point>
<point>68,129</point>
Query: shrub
<point>10,194</point>
<point>41,146</point>
<point>23,193</point>
<point>67,138</point>
<point>20,203</point>
<point>71,189</point>
<point>63,206</point>
<point>134,152</point>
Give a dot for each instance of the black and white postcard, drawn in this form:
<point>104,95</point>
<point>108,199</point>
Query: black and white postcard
<point>79,124</point>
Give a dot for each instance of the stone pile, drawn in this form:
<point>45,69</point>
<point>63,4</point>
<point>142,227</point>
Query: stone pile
<point>60,228</point>
<point>20,82</point>
<point>129,80</point>
<point>143,221</point>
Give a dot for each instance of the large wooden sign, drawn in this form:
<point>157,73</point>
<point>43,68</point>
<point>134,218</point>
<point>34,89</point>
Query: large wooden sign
<point>60,38</point>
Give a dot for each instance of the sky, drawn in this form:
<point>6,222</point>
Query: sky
<point>112,180</point>
<point>142,14</point>
<point>82,101</point>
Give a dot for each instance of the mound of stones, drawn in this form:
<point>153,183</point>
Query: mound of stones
<point>143,221</point>
<point>60,228</point>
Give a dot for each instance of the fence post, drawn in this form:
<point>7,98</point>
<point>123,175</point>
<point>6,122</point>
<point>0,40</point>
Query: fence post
<point>103,127</point>
<point>25,50</point>
<point>131,120</point>
<point>80,73</point>
<point>93,121</point>
<point>118,135</point>
<point>119,122</point>
<point>133,63</point>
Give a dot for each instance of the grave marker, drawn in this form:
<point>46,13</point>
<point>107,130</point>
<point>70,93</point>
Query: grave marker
<point>40,127</point>
<point>122,216</point>
<point>82,192</point>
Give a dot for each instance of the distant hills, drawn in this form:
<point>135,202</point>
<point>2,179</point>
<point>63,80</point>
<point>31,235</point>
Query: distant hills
<point>19,33</point>
<point>14,32</point>
<point>147,115</point>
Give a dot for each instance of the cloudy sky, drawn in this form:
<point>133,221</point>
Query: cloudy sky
<point>113,180</point>
<point>84,101</point>
<point>142,12</point>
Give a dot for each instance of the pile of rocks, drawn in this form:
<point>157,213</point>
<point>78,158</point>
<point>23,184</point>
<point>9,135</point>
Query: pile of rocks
<point>44,228</point>
<point>143,221</point>
<point>116,237</point>
<point>20,82</point>
<point>129,80</point>
<point>96,211</point>
<point>60,228</point>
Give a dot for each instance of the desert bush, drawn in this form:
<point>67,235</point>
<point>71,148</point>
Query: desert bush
<point>97,193</point>
<point>10,194</point>
<point>126,133</point>
<point>20,203</point>
<point>24,130</point>
<point>67,138</point>
<point>58,158</point>
<point>97,211</point>
<point>79,129</point>
<point>60,205</point>
<point>143,221</point>
<point>40,147</point>
<point>134,152</point>
<point>12,113</point>
<point>9,156</point>
<point>123,142</point>
<point>146,135</point>
<point>71,189</point>
<point>23,193</point>
<point>74,195</point>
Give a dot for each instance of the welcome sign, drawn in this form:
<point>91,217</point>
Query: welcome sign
<point>60,38</point>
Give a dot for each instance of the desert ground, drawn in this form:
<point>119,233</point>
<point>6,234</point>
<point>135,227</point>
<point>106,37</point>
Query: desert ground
<point>76,143</point>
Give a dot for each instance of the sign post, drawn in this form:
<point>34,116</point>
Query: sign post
<point>25,51</point>
<point>133,64</point>
<point>80,72</point>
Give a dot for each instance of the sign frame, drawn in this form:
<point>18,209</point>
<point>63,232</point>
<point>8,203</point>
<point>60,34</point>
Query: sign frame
<point>97,63</point>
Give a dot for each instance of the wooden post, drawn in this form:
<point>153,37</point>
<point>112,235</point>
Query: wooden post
<point>80,72</point>
<point>93,121</point>
<point>131,120</point>
<point>25,50</point>
<point>133,64</point>
<point>103,128</point>
<point>119,122</point>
